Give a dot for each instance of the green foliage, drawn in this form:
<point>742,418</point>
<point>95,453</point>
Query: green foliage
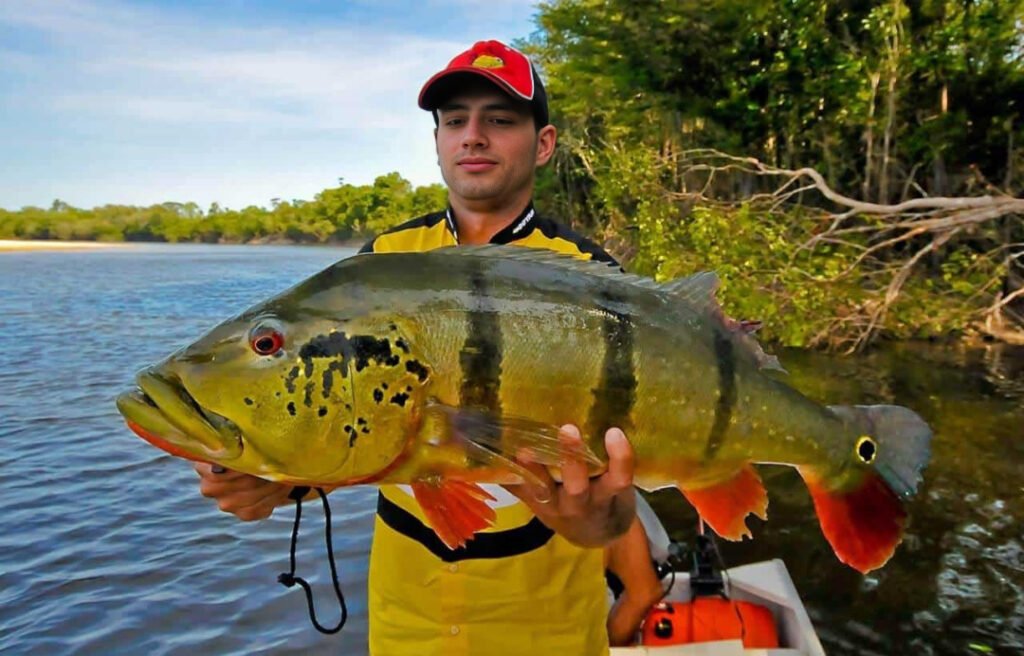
<point>345,212</point>
<point>889,99</point>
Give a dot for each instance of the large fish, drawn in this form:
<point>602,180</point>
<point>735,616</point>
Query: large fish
<point>435,369</point>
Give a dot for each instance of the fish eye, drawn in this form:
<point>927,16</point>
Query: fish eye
<point>266,340</point>
<point>866,449</point>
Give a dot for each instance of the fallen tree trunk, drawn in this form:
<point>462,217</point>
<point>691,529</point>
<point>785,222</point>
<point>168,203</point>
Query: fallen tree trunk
<point>892,239</point>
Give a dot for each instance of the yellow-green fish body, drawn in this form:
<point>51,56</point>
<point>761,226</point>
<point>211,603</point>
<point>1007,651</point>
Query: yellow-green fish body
<point>437,368</point>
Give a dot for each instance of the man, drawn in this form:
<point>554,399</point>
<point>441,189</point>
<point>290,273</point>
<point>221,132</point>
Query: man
<point>535,584</point>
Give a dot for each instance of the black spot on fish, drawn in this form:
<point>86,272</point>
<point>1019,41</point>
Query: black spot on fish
<point>338,366</point>
<point>400,343</point>
<point>414,367</point>
<point>408,388</point>
<point>360,421</point>
<point>392,327</point>
<point>352,434</point>
<point>378,395</point>
<point>248,401</point>
<point>322,411</point>
<point>400,399</point>
<point>289,381</point>
<point>615,393</point>
<point>291,408</point>
<point>368,347</point>
<point>277,394</point>
<point>726,359</point>
<point>384,385</point>
<point>348,407</point>
<point>335,346</point>
<point>308,398</point>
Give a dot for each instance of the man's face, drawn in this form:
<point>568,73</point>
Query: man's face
<point>488,147</point>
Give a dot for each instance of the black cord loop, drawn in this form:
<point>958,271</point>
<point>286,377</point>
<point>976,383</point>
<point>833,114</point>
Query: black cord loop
<point>288,579</point>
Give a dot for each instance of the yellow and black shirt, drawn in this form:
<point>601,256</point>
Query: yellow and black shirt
<point>517,588</point>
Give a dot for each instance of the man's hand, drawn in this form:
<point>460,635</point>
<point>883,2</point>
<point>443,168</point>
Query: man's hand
<point>244,496</point>
<point>590,513</point>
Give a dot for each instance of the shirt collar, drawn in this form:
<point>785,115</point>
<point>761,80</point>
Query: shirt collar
<point>517,228</point>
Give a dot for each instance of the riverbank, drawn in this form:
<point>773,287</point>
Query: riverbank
<point>8,245</point>
<point>18,245</point>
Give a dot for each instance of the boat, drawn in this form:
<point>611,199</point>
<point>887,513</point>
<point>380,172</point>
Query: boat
<point>764,589</point>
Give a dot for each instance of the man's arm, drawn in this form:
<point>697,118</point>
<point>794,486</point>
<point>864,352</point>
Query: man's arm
<point>588,512</point>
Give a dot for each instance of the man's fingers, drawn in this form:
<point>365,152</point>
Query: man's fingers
<point>575,475</point>
<point>620,460</point>
<point>247,497</point>
<point>210,471</point>
<point>540,488</point>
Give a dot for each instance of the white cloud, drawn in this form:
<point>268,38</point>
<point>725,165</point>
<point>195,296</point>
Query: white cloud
<point>122,86</point>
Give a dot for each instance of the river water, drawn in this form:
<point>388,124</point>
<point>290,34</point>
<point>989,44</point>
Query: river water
<point>106,547</point>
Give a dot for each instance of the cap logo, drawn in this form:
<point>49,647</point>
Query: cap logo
<point>488,61</point>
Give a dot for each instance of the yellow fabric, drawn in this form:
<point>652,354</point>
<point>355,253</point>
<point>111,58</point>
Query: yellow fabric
<point>551,600</point>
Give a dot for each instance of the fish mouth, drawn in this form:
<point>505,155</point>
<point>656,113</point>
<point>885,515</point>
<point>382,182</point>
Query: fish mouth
<point>162,412</point>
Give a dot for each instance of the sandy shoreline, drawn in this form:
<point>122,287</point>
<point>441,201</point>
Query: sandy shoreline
<point>55,245</point>
<point>18,245</point>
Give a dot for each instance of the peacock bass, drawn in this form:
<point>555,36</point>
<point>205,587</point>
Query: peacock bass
<point>435,369</point>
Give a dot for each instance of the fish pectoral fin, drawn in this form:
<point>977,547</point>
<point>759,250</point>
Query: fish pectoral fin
<point>725,505</point>
<point>864,524</point>
<point>508,436</point>
<point>455,509</point>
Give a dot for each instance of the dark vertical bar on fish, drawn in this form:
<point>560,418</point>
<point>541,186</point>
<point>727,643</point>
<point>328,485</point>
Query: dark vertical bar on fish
<point>615,393</point>
<point>481,354</point>
<point>726,359</point>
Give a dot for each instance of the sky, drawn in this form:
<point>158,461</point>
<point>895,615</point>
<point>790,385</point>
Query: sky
<point>230,101</point>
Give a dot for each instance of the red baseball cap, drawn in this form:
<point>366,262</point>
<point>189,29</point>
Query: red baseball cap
<point>505,66</point>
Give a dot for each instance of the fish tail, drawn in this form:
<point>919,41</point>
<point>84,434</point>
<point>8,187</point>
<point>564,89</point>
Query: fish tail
<point>860,505</point>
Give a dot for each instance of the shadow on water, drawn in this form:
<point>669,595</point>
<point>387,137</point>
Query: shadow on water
<point>956,584</point>
<point>106,546</point>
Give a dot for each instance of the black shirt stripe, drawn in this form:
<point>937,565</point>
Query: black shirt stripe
<point>499,544</point>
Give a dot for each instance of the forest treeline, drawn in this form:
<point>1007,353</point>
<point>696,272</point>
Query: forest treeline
<point>338,214</point>
<point>692,135</point>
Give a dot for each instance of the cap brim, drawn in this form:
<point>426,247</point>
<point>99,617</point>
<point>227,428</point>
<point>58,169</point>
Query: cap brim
<point>440,87</point>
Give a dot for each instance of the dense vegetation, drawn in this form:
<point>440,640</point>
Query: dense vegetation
<point>343,213</point>
<point>891,101</point>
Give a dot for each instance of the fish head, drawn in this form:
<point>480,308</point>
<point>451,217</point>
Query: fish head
<point>286,396</point>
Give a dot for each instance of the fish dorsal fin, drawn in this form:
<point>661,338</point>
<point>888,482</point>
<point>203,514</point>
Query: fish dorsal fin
<point>699,291</point>
<point>551,258</point>
<point>696,291</point>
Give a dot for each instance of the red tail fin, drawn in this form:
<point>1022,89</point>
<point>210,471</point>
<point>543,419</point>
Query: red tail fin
<point>456,510</point>
<point>863,524</point>
<point>725,506</point>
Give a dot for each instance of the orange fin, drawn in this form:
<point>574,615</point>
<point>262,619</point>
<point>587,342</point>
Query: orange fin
<point>863,524</point>
<point>725,506</point>
<point>456,510</point>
